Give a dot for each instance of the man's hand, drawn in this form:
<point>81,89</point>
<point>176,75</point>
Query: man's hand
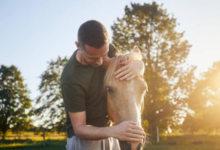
<point>125,131</point>
<point>132,66</point>
<point>128,131</point>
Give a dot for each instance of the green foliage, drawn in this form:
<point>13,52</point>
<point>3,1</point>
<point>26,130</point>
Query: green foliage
<point>50,107</point>
<point>204,100</point>
<point>15,103</point>
<point>152,29</point>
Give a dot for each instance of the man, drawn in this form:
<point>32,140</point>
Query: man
<point>85,100</point>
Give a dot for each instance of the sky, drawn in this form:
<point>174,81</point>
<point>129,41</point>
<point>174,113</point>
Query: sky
<point>33,32</point>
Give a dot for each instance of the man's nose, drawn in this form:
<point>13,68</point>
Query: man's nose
<point>99,62</point>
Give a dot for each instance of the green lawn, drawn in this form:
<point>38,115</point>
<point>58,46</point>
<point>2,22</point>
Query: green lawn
<point>167,143</point>
<point>50,145</point>
<point>184,147</point>
<point>186,143</point>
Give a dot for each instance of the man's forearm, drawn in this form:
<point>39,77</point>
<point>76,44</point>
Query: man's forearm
<point>125,131</point>
<point>89,132</point>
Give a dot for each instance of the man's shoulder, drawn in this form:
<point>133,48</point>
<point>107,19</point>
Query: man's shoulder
<point>76,73</point>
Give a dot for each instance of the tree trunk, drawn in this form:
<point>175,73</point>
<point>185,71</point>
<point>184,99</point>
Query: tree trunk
<point>158,137</point>
<point>3,135</point>
<point>44,137</point>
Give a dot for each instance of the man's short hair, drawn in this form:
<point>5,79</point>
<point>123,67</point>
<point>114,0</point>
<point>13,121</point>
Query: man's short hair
<point>92,33</point>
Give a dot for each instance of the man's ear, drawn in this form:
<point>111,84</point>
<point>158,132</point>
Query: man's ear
<point>77,45</point>
<point>136,49</point>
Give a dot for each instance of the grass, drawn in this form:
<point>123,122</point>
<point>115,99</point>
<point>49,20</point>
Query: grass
<point>50,145</point>
<point>30,141</point>
<point>166,143</point>
<point>35,137</point>
<point>204,142</point>
<point>184,147</point>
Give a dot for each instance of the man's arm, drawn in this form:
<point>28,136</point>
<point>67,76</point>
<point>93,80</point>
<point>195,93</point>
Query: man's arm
<point>126,131</point>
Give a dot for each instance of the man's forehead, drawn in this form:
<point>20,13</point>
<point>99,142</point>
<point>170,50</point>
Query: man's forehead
<point>96,52</point>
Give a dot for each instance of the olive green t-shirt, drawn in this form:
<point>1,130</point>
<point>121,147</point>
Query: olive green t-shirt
<point>82,90</point>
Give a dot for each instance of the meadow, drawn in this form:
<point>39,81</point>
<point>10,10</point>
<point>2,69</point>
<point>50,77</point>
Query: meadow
<point>186,142</point>
<point>55,142</point>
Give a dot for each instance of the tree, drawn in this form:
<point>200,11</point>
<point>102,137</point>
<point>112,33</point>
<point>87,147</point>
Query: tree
<point>204,101</point>
<point>164,51</point>
<point>15,103</point>
<point>50,108</point>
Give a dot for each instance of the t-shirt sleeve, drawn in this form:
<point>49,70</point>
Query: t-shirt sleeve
<point>74,97</point>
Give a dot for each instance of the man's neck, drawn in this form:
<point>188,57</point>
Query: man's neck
<point>79,58</point>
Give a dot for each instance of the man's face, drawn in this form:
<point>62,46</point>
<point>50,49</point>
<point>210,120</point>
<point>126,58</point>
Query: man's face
<point>95,56</point>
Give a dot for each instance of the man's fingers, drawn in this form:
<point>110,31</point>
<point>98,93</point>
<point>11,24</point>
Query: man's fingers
<point>137,136</point>
<point>136,127</point>
<point>136,132</point>
<point>126,76</point>
<point>121,69</point>
<point>131,132</point>
<point>131,77</point>
<point>124,72</point>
